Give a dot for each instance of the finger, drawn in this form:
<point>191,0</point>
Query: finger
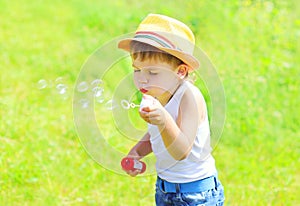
<point>133,173</point>
<point>145,109</point>
<point>144,115</point>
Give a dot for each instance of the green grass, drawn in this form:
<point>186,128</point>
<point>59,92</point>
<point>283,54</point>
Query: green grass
<point>254,45</point>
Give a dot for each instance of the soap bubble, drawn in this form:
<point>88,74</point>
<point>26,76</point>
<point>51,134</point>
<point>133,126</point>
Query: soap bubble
<point>98,94</point>
<point>99,99</point>
<point>84,103</point>
<point>55,87</point>
<point>59,79</point>
<point>82,86</point>
<point>61,88</point>
<point>125,104</point>
<point>96,82</point>
<point>98,91</point>
<point>42,84</point>
<point>110,105</point>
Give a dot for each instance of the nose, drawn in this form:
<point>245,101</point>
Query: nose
<point>143,81</point>
<point>142,78</point>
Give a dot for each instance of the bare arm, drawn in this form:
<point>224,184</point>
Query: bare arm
<point>142,148</point>
<point>178,136</point>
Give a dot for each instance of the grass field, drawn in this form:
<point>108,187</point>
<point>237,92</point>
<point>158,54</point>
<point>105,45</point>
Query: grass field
<point>253,44</point>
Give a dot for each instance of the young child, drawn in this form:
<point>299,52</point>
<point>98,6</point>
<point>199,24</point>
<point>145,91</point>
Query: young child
<point>178,128</point>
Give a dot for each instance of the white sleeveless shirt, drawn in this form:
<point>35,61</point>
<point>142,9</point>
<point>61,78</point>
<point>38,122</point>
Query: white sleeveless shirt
<point>198,164</point>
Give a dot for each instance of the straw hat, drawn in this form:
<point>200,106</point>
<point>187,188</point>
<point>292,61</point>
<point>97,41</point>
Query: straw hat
<point>166,34</point>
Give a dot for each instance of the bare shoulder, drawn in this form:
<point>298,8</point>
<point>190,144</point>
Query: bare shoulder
<point>193,102</point>
<point>193,95</point>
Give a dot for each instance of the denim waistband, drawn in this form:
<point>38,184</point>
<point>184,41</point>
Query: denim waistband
<point>196,186</point>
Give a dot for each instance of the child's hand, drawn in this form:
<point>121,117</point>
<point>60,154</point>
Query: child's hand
<point>133,173</point>
<point>153,113</point>
<point>133,154</point>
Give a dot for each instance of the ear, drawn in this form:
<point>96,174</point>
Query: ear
<point>182,71</point>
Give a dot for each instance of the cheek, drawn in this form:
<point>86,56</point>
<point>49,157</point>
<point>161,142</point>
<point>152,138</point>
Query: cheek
<point>165,83</point>
<point>135,81</point>
<point>136,77</point>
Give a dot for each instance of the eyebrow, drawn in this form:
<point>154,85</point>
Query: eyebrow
<point>135,66</point>
<point>148,68</point>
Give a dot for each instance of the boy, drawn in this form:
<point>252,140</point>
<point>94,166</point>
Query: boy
<point>178,128</point>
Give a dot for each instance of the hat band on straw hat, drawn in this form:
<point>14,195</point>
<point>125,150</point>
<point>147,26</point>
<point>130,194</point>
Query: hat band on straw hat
<point>166,34</point>
<point>164,42</point>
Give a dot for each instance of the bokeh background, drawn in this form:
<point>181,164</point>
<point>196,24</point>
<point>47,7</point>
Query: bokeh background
<point>253,44</point>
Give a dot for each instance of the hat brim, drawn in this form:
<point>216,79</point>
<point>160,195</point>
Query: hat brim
<point>189,59</point>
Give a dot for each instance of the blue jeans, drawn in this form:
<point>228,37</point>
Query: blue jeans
<point>214,196</point>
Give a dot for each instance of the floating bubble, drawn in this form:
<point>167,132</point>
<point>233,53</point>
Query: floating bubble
<point>61,88</point>
<point>125,104</point>
<point>96,82</point>
<point>110,105</point>
<point>59,79</point>
<point>84,103</point>
<point>82,86</point>
<point>98,94</point>
<point>99,99</point>
<point>98,91</point>
<point>58,85</point>
<point>42,84</point>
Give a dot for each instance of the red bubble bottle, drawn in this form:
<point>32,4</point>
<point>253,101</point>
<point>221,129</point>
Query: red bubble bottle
<point>133,164</point>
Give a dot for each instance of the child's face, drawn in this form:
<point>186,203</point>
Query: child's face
<point>155,78</point>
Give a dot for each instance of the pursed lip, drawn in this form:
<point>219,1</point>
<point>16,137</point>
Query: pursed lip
<point>143,90</point>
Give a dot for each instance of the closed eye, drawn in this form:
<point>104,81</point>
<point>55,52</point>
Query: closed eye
<point>136,69</point>
<point>153,72</point>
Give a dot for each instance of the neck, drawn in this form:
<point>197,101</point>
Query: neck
<point>165,98</point>
<point>167,95</point>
